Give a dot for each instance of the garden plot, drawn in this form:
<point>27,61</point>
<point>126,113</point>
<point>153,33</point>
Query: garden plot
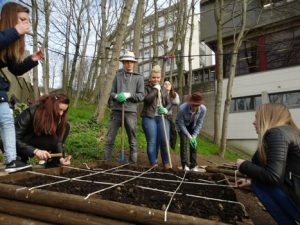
<point>169,196</point>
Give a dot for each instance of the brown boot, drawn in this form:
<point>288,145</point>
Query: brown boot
<point>167,166</point>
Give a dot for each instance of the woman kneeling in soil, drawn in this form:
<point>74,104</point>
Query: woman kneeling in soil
<point>275,166</point>
<point>42,129</point>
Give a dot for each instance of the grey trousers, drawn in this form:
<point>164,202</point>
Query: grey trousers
<point>115,122</point>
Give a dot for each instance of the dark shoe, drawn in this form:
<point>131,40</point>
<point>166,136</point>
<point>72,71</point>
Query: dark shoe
<point>15,166</point>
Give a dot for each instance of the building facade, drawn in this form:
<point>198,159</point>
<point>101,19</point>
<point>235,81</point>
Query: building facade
<point>268,65</point>
<point>166,31</point>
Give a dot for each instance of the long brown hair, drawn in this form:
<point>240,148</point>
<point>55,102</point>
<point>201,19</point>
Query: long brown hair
<point>46,118</point>
<point>9,19</point>
<point>268,116</point>
<point>172,92</point>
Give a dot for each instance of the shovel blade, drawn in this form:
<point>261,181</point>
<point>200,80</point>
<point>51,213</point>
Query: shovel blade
<point>122,158</point>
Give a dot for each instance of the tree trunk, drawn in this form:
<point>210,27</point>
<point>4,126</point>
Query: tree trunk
<point>78,24</point>
<point>165,46</point>
<point>155,36</point>
<point>102,55</point>
<point>190,77</point>
<point>233,61</point>
<point>45,44</point>
<point>219,71</point>
<point>82,63</point>
<point>35,40</point>
<point>138,30</point>
<point>180,55</point>
<point>65,72</point>
<point>113,65</point>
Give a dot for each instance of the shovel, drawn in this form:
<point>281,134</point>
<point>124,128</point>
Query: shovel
<point>122,153</point>
<point>165,131</point>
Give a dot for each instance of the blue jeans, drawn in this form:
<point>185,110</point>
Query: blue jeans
<point>277,203</point>
<point>155,136</point>
<point>7,132</point>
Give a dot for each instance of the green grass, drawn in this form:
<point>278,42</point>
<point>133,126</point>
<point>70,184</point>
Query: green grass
<point>87,138</point>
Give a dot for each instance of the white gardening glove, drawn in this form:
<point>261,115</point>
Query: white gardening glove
<point>157,86</point>
<point>127,94</point>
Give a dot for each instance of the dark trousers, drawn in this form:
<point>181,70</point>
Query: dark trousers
<point>49,143</point>
<point>184,142</point>
<point>130,120</point>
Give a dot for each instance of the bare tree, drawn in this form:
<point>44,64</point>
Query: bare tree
<point>138,29</point>
<point>82,59</point>
<point>35,46</point>
<point>113,65</point>
<point>190,77</point>
<point>165,43</point>
<point>102,55</point>
<point>46,44</point>
<point>65,70</point>
<point>181,39</point>
<point>233,60</point>
<point>155,35</point>
<point>77,16</point>
<point>219,17</point>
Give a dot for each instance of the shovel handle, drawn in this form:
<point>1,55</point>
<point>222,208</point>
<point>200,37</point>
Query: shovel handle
<point>56,155</point>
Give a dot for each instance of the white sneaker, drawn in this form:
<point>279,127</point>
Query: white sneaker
<point>186,168</point>
<point>195,169</point>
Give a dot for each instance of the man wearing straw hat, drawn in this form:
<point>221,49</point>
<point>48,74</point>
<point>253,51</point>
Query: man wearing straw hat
<point>189,122</point>
<point>127,90</point>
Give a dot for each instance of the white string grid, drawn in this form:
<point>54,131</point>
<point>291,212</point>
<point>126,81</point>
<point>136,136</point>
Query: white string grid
<point>139,175</point>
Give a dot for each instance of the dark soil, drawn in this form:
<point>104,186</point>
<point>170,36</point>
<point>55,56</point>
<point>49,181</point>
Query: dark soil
<point>205,195</point>
<point>134,192</point>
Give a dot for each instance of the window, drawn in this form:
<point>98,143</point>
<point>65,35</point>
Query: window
<point>290,99</point>
<point>161,21</point>
<point>244,104</point>
<point>271,51</point>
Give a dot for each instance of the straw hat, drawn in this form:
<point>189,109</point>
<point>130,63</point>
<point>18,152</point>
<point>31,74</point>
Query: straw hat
<point>195,98</point>
<point>128,56</point>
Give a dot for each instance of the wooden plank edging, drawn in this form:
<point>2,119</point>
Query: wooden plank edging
<point>99,207</point>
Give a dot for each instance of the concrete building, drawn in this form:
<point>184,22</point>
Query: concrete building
<point>268,65</point>
<point>167,25</point>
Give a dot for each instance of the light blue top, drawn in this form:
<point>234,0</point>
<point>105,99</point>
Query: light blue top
<point>184,119</point>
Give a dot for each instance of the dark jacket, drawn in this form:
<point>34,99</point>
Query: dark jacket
<point>24,133</point>
<point>133,83</point>
<point>7,37</point>
<point>282,145</point>
<point>150,100</point>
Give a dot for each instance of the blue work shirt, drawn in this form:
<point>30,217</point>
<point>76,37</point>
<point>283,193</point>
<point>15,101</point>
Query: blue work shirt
<point>185,119</point>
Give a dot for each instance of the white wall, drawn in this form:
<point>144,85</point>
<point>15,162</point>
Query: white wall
<point>281,80</point>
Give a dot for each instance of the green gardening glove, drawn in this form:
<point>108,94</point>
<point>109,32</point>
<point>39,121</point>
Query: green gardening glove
<point>193,142</point>
<point>121,98</point>
<point>162,110</point>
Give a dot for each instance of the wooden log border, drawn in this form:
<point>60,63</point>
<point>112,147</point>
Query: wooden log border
<point>115,212</point>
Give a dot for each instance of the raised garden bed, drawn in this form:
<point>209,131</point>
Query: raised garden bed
<point>134,194</point>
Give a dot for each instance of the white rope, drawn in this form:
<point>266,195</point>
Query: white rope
<point>118,183</point>
<point>166,211</point>
<point>196,196</point>
<point>46,175</point>
<point>44,185</point>
<point>174,181</point>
